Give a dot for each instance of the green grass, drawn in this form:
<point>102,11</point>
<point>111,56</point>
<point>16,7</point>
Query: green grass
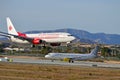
<point>17,71</point>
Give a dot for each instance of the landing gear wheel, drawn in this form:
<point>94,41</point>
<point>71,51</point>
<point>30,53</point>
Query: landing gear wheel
<point>71,61</point>
<point>32,46</point>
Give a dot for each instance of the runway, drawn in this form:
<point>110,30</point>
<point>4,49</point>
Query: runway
<point>76,63</point>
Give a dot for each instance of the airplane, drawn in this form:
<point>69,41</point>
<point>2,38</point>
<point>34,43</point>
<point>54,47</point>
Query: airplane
<point>73,56</point>
<point>54,39</point>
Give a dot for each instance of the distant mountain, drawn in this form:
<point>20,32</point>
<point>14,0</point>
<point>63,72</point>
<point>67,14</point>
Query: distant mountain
<point>84,36</point>
<point>88,37</point>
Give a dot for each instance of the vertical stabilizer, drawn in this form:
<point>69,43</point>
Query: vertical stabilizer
<point>95,51</point>
<point>11,29</point>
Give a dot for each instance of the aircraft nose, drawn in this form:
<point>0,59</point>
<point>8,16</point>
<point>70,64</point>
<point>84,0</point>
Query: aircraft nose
<point>47,56</point>
<point>72,37</point>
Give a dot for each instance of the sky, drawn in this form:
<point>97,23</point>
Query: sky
<point>95,16</point>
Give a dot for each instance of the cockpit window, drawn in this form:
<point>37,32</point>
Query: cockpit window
<point>70,35</point>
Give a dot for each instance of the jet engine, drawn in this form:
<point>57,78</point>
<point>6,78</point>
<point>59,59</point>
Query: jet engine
<point>37,41</point>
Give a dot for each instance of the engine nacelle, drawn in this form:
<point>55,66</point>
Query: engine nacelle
<point>37,41</point>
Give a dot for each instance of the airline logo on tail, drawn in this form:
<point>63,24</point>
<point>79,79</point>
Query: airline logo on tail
<point>10,28</point>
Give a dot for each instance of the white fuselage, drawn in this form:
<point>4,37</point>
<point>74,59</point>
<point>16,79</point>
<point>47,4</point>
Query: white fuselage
<point>70,56</point>
<point>48,37</point>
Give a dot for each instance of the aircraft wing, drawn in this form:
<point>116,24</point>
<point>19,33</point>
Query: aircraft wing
<point>31,40</point>
<point>75,58</point>
<point>4,35</point>
<point>8,35</point>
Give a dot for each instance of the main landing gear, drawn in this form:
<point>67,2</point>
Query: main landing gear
<point>71,61</point>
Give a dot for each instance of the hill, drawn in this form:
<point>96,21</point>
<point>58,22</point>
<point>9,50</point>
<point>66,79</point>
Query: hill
<point>85,36</point>
<point>88,37</point>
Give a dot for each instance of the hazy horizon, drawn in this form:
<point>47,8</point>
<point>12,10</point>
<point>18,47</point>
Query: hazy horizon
<point>94,16</point>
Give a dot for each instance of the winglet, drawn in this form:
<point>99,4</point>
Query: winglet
<point>11,29</point>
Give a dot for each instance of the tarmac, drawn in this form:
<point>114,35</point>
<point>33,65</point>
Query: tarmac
<point>58,62</point>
